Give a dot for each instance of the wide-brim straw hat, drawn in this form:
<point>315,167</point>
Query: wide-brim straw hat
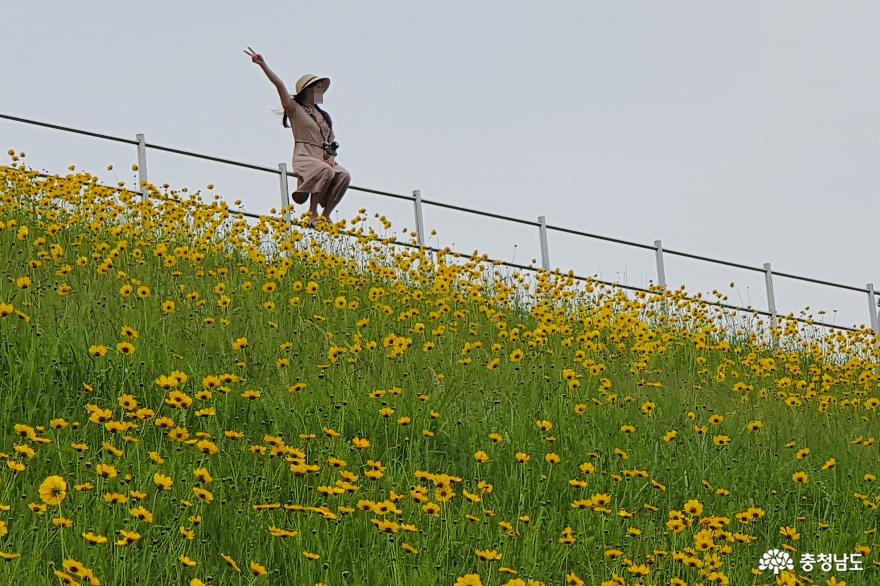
<point>309,79</point>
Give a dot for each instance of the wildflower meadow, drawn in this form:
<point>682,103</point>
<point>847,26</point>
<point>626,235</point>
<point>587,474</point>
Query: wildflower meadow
<point>191,396</point>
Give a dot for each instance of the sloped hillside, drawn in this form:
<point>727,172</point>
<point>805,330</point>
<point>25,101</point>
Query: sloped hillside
<point>191,398</point>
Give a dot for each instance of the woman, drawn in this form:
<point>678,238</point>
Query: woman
<point>314,162</point>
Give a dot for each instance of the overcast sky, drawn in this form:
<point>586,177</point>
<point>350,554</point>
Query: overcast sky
<point>748,130</point>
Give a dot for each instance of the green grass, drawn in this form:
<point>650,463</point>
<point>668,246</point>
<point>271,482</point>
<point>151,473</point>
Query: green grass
<point>45,363</point>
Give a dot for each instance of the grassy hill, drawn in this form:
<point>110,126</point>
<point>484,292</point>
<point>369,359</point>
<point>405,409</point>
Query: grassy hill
<point>189,398</point>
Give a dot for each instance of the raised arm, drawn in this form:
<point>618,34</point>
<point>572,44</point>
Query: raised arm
<point>286,100</point>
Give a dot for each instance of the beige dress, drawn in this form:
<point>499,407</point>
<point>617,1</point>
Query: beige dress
<point>312,166</point>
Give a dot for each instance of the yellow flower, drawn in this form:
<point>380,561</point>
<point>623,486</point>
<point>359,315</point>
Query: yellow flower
<point>296,387</point>
<point>675,525</point>
<point>106,471</point>
<point>75,567</point>
<point>115,497</point>
<point>789,532</point>
<point>487,555</point>
<point>231,562</point>
<point>721,440</point>
<point>279,532</point>
<point>94,538</point>
<point>203,475</point>
<point>207,447</point>
<point>98,350</point>
<point>125,348</point>
<point>141,513</point>
<point>128,537</point>
<point>205,495</point>
<point>162,481</point>
<point>693,507</point>
<point>567,537</point>
<point>62,522</point>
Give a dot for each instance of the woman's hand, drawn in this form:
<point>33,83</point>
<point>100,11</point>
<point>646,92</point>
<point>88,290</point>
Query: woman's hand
<point>255,57</point>
<point>331,160</point>
<point>286,98</point>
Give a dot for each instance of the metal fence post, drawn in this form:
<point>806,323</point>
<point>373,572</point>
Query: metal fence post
<point>872,308</point>
<point>661,277</point>
<point>142,165</point>
<point>545,252</point>
<point>420,223</point>
<point>661,271</point>
<point>285,193</point>
<point>771,300</point>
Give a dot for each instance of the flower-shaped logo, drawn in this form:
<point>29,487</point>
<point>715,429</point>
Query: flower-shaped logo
<point>776,560</point>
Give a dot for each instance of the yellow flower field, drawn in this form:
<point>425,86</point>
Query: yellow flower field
<point>189,397</point>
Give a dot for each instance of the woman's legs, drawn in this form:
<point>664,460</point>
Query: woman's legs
<point>316,198</point>
<point>320,196</point>
<point>332,194</point>
<point>336,190</point>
